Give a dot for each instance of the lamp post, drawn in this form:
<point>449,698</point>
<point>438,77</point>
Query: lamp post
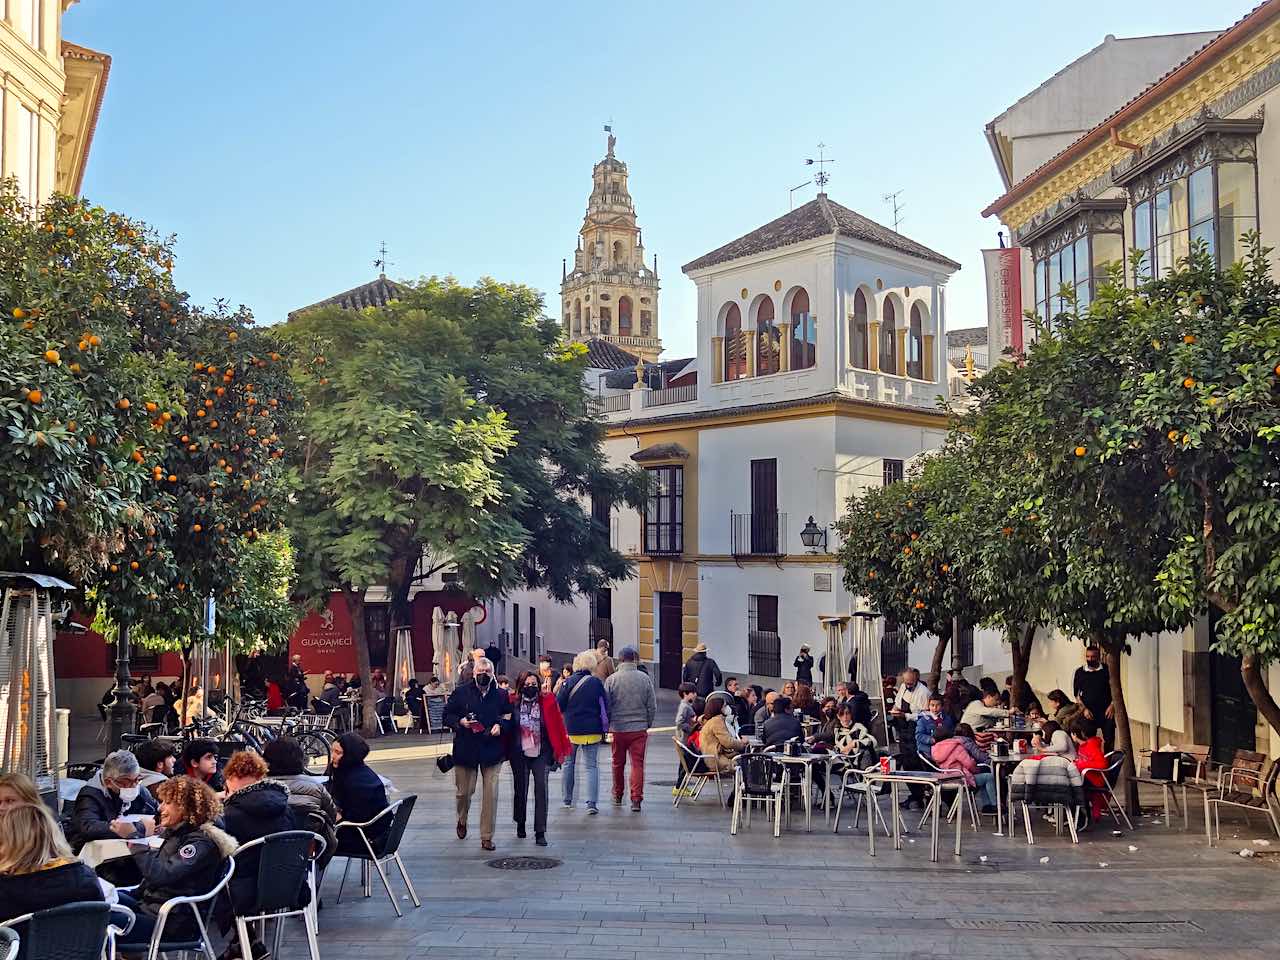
<point>813,536</point>
<point>122,709</point>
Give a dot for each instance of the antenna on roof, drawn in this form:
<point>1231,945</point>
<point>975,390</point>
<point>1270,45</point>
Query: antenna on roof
<point>821,177</point>
<point>897,208</point>
<point>382,262</point>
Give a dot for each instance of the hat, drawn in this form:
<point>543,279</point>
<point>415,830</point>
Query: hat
<point>700,648</point>
<point>804,646</point>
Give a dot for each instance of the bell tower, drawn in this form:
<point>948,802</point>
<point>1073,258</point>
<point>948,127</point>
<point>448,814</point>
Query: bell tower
<point>610,293</point>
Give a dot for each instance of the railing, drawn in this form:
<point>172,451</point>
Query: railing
<point>764,653</point>
<point>614,402</point>
<point>758,534</point>
<point>956,356</point>
<point>667,395</point>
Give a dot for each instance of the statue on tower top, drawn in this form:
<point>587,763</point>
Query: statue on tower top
<point>612,139</point>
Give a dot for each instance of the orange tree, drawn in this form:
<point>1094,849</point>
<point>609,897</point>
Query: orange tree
<point>109,460</point>
<point>1200,402</point>
<point>897,553</point>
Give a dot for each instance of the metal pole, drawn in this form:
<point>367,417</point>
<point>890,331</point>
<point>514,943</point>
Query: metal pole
<point>122,710</point>
<point>204,679</point>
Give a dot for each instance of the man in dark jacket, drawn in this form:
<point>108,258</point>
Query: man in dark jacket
<point>782,725</point>
<point>1092,688</point>
<point>702,671</point>
<point>480,715</point>
<point>804,665</point>
<point>112,795</point>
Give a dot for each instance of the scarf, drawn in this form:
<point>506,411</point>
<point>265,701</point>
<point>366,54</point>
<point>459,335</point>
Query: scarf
<point>530,728</point>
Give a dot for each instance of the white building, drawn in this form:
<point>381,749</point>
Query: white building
<point>821,357</point>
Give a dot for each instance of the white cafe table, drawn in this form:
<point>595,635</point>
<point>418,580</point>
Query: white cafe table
<point>934,782</point>
<point>97,852</point>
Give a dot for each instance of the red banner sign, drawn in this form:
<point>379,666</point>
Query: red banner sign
<point>1004,298</point>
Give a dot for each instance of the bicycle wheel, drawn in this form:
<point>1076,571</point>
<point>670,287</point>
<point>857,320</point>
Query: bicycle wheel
<point>314,749</point>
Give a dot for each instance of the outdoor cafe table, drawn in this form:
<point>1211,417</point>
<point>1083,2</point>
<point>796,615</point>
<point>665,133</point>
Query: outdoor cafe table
<point>1008,761</point>
<point>808,761</point>
<point>934,782</point>
<point>96,852</point>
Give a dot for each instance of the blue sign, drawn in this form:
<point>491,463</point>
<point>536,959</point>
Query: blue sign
<point>210,615</point>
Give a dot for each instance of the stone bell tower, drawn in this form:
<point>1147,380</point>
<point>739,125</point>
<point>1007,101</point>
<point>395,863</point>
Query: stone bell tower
<point>610,293</point>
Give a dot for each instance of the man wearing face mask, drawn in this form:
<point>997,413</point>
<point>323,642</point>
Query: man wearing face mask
<point>113,805</point>
<point>480,715</point>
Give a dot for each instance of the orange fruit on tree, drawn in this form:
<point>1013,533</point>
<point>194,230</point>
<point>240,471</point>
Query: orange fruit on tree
<point>114,568</point>
<point>220,391</point>
<point>133,564</point>
<point>208,403</point>
<point>213,423</point>
<point>19,313</point>
<point>34,397</point>
<point>52,356</point>
<point>136,456</point>
<point>83,345</point>
<point>123,403</point>
<point>166,416</point>
<point>1188,338</point>
<point>1189,382</point>
<point>1081,451</point>
<point>61,505</point>
<point>233,336</point>
<point>196,528</point>
<point>74,367</point>
<point>200,413</point>
<point>173,478</point>
<point>150,407</point>
<point>94,340</point>
<point>1173,434</point>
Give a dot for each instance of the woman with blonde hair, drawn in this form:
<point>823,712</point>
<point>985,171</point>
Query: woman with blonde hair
<point>37,870</point>
<point>586,717</point>
<point>190,862</point>
<point>17,788</point>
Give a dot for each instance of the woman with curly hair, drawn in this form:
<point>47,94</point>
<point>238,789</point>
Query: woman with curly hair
<point>189,863</point>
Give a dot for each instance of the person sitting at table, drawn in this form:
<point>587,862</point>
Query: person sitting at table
<point>190,862</point>
<point>37,869</point>
<point>1052,739</point>
<point>112,806</point>
<point>357,790</point>
<point>983,714</point>
<point>827,710</point>
<point>789,689</point>
<point>932,725</point>
<point>764,711</point>
<point>684,711</point>
<point>434,687</point>
<point>157,760</point>
<point>1063,707</point>
<point>1090,760</point>
<point>849,739</point>
<point>1035,714</point>
<point>17,788</point>
<point>961,752</point>
<point>805,703</point>
<point>311,804</point>
<point>782,725</point>
<point>718,745</point>
<point>199,761</point>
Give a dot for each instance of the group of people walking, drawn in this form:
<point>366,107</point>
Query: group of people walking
<point>541,724</point>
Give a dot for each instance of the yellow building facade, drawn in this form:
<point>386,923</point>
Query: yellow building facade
<point>50,95</point>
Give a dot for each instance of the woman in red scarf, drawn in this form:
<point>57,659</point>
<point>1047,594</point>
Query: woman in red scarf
<point>538,742</point>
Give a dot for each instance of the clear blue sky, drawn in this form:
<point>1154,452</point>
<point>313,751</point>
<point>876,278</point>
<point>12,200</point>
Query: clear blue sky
<point>282,141</point>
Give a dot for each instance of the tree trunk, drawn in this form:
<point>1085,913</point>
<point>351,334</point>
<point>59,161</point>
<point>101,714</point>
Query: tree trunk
<point>1113,652</point>
<point>1021,637</point>
<point>186,684</point>
<point>354,599</point>
<point>1251,671</point>
<point>935,667</point>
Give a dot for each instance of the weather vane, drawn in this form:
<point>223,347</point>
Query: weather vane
<point>381,263</point>
<point>821,177</point>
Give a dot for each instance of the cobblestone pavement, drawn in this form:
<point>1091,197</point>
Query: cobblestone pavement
<point>670,882</point>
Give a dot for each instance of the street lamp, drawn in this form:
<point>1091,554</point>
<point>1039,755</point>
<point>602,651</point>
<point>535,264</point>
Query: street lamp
<point>813,536</point>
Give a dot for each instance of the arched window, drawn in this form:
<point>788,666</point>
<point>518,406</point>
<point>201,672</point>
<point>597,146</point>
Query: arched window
<point>804,333</point>
<point>735,345</point>
<point>606,320</point>
<point>889,339</point>
<point>915,344</point>
<point>768,340</point>
<point>624,317</point>
<point>858,332</point>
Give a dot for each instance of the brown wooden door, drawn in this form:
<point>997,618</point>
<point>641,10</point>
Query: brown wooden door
<point>670,639</point>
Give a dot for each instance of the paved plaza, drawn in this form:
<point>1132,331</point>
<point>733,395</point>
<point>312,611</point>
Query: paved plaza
<point>673,883</point>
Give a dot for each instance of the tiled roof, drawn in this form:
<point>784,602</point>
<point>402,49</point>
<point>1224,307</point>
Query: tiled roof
<point>1203,57</point>
<point>377,293</point>
<point>968,337</point>
<point>604,355</point>
<point>820,217</point>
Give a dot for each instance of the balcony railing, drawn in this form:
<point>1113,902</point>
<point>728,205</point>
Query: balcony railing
<point>758,534</point>
<point>666,395</point>
<point>615,402</point>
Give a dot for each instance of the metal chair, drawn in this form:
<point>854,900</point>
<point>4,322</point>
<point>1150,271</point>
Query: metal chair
<point>1107,789</point>
<point>74,931</point>
<point>763,779</point>
<point>203,902</point>
<point>1066,801</point>
<point>1246,790</point>
<point>285,886</point>
<point>697,767</point>
<point>8,943</point>
<point>380,850</point>
<point>862,793</point>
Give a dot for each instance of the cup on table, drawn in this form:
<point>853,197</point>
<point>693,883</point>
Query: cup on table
<point>884,764</point>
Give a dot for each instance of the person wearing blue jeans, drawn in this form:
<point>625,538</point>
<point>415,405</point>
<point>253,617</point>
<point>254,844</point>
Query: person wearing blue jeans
<point>586,718</point>
<point>986,782</point>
